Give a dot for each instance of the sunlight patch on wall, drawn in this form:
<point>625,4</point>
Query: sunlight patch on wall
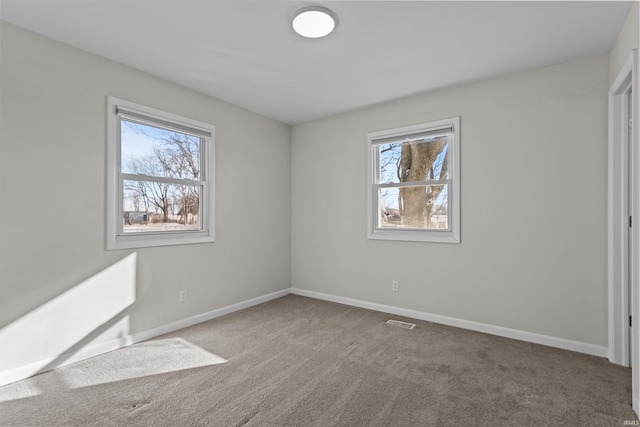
<point>70,321</point>
<point>137,361</point>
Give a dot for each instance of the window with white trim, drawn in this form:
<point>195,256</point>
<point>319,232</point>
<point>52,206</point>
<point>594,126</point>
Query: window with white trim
<point>414,182</point>
<point>160,170</point>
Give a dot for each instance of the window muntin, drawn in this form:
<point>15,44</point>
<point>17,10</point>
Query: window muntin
<point>160,178</point>
<point>413,185</point>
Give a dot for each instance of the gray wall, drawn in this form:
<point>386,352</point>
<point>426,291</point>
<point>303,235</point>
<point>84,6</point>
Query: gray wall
<point>533,163</point>
<point>52,193</point>
<point>627,40</point>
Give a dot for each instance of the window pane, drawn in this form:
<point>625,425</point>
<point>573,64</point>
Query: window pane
<point>422,207</point>
<point>416,160</point>
<point>389,155</point>
<point>154,151</point>
<point>159,207</point>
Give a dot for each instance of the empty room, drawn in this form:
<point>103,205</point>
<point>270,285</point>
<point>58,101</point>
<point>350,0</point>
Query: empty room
<point>335,213</point>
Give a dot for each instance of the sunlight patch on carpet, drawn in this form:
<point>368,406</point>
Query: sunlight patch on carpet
<point>141,360</point>
<point>19,390</point>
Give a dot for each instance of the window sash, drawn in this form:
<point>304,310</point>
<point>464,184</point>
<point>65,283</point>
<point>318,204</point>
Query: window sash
<point>202,199</point>
<point>396,140</point>
<point>204,144</point>
<point>377,206</point>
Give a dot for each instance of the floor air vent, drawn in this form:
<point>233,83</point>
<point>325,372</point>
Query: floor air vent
<point>400,324</point>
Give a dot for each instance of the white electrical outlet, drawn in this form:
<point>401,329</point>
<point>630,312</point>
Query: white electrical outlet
<point>183,296</point>
<point>394,286</point>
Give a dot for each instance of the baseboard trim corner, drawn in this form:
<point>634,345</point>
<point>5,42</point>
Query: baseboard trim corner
<point>203,317</point>
<point>564,344</point>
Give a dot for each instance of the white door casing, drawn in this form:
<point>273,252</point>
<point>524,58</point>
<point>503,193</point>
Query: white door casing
<point>623,236</point>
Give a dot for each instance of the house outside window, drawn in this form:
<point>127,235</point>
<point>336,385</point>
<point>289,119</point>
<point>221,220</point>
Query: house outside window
<point>414,182</point>
<point>160,188</point>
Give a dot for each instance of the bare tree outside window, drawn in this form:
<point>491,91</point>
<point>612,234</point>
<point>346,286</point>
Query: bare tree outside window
<point>158,163</point>
<point>418,161</point>
<point>414,182</point>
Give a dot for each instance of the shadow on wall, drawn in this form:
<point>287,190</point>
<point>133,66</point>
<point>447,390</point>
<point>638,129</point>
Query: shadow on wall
<point>90,314</point>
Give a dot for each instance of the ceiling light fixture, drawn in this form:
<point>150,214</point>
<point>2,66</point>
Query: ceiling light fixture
<point>314,22</point>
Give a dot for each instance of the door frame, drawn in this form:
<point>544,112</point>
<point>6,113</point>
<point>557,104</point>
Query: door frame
<point>622,242</point>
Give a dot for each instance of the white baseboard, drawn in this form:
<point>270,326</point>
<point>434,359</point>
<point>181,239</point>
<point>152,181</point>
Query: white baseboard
<point>93,350</point>
<point>580,347</point>
<point>199,318</point>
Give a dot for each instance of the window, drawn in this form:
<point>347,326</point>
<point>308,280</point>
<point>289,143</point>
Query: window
<point>414,182</point>
<point>160,184</point>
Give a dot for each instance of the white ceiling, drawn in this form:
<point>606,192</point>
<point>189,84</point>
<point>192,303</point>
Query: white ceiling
<point>245,52</point>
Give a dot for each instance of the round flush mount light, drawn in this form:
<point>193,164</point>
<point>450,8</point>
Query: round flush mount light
<point>314,22</point>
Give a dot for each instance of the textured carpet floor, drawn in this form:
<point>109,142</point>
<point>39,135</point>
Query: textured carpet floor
<point>297,361</point>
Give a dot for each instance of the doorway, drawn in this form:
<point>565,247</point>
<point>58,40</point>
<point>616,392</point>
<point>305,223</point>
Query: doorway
<point>623,225</point>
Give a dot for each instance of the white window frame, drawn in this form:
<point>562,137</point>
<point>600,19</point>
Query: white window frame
<point>115,238</point>
<point>452,235</point>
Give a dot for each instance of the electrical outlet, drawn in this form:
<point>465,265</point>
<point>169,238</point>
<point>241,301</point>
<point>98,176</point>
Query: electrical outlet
<point>183,296</point>
<point>394,286</point>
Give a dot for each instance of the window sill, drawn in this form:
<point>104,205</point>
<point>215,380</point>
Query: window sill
<point>415,236</point>
<point>146,241</point>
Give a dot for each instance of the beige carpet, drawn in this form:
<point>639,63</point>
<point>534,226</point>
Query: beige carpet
<point>296,361</point>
